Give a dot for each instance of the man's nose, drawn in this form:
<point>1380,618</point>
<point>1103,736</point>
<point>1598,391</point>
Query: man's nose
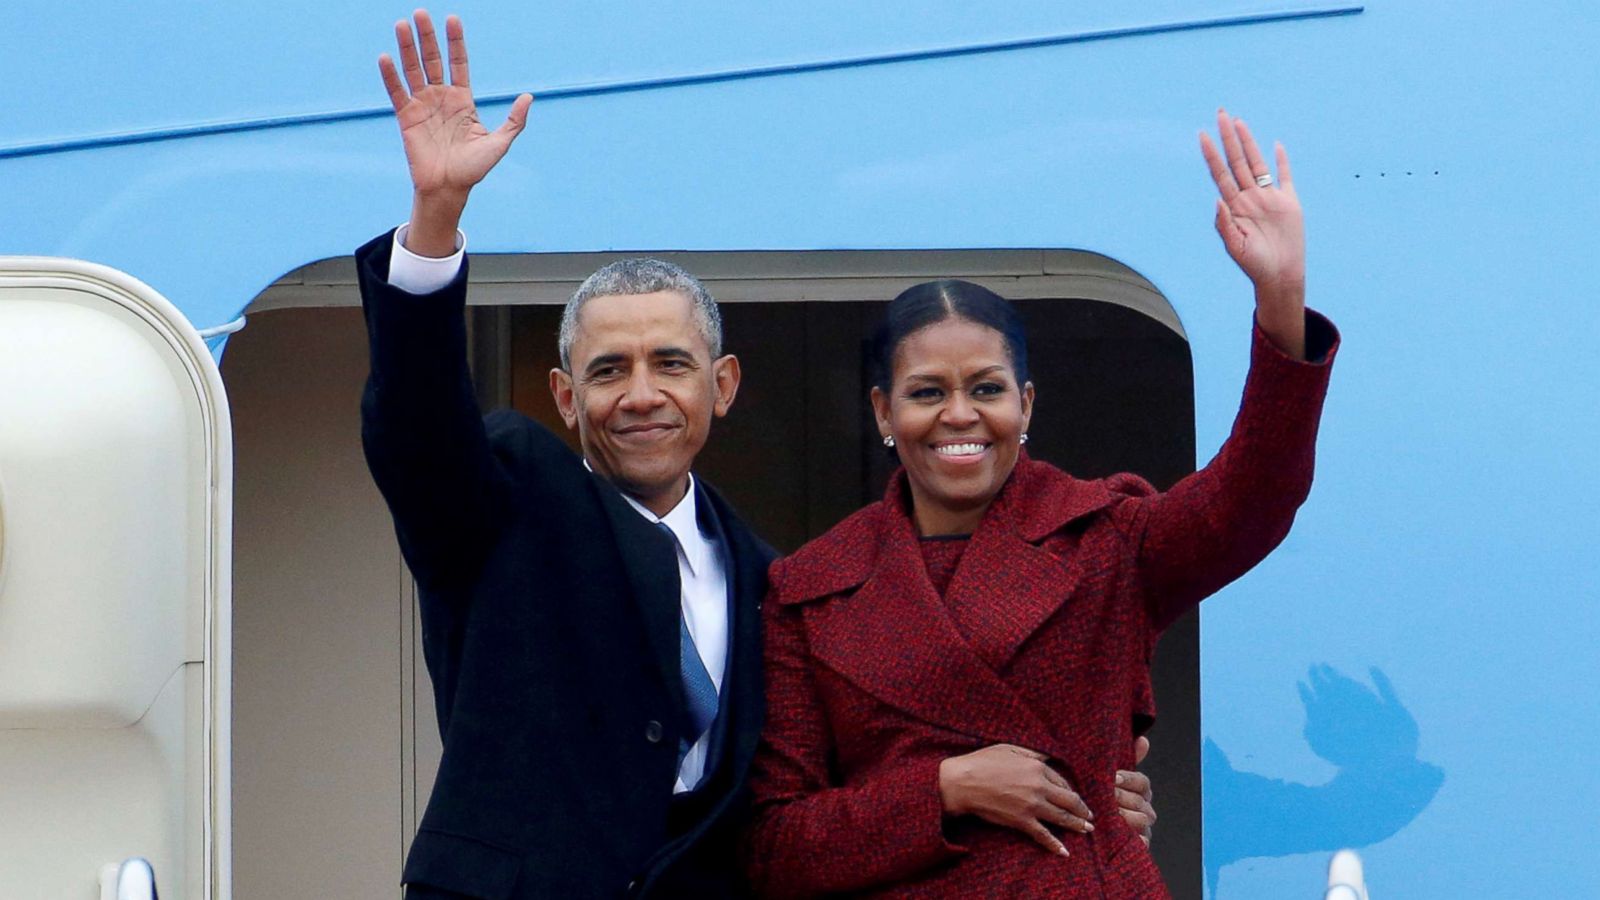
<point>642,393</point>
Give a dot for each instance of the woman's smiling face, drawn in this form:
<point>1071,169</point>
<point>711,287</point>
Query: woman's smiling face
<point>957,415</point>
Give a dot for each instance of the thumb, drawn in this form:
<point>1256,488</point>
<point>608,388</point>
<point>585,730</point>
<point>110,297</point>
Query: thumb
<point>517,119</point>
<point>1141,749</point>
<point>1234,238</point>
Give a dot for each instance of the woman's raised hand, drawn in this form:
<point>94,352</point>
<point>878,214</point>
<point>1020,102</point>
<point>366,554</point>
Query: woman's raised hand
<point>1013,787</point>
<point>1261,225</point>
<point>447,147</point>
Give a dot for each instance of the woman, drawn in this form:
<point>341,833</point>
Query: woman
<point>952,672</point>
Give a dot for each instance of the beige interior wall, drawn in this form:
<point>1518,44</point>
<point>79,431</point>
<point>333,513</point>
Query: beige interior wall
<point>324,653</point>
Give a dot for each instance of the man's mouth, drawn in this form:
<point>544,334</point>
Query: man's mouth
<point>645,429</point>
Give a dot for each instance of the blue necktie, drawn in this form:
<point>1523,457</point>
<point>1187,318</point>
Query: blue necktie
<point>699,692</point>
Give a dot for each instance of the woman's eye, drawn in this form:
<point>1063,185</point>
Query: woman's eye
<point>988,389</point>
<point>927,393</point>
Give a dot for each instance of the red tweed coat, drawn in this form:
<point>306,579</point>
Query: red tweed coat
<point>870,685</point>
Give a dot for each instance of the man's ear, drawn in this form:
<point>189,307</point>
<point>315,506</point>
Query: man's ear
<point>566,399</point>
<point>880,411</point>
<point>725,376</point>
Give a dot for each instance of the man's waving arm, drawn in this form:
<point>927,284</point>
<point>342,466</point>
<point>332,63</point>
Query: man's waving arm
<point>423,436</point>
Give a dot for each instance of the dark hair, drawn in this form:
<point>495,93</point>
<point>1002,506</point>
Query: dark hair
<point>925,304</point>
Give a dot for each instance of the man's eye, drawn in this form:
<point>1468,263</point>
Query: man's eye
<point>603,374</point>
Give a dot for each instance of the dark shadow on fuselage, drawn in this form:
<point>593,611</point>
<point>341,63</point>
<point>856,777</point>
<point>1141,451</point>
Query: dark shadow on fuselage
<point>1380,788</point>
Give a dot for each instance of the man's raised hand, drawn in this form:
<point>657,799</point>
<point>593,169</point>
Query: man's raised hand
<point>447,147</point>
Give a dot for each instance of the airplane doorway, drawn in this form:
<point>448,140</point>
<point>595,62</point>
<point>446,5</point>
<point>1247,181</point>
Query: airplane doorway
<point>335,745</point>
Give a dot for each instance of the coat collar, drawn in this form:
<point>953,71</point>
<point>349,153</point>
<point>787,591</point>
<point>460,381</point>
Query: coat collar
<point>1036,501</point>
<point>694,528</point>
<point>888,631</point>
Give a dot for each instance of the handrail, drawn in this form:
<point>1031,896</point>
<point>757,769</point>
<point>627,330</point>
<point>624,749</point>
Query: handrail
<point>1346,881</point>
<point>134,879</point>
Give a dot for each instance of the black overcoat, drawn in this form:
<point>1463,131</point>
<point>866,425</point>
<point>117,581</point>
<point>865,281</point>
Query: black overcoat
<point>550,628</point>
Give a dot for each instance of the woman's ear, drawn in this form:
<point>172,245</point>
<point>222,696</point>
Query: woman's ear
<point>880,411</point>
<point>1027,404</point>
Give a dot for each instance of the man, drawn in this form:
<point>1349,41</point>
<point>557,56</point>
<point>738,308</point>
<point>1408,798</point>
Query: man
<point>590,623</point>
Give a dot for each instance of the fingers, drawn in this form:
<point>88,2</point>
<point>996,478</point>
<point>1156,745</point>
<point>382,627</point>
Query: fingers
<point>1065,808</point>
<point>1219,172</point>
<point>432,63</point>
<point>1046,840</point>
<point>1252,153</point>
<point>392,83</point>
<point>1136,802</point>
<point>1228,127</point>
<point>1284,177</point>
<point>1136,783</point>
<point>1061,818</point>
<point>409,64</point>
<point>1135,808</point>
<point>456,41</point>
<point>1061,794</point>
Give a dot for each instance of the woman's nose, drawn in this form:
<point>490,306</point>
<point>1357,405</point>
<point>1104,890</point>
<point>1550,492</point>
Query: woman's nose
<point>959,412</point>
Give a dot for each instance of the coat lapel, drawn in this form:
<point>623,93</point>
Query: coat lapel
<point>1008,571</point>
<point>746,565</point>
<point>652,566</point>
<point>894,639</point>
<point>1015,584</point>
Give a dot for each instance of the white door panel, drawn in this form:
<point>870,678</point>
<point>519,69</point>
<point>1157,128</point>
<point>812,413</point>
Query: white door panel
<point>114,591</point>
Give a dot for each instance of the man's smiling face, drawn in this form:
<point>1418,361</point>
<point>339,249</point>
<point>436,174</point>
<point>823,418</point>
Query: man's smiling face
<point>642,392</point>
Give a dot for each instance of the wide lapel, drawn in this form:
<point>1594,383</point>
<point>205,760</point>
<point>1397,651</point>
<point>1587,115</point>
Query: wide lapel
<point>651,562</point>
<point>1005,570</point>
<point>1017,585</point>
<point>894,639</point>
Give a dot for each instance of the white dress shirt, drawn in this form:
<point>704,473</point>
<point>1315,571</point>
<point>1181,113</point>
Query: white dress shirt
<point>702,573</point>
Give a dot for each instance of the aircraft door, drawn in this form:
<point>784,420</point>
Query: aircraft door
<point>115,517</point>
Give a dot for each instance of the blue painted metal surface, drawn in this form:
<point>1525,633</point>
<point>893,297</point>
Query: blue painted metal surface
<point>1445,569</point>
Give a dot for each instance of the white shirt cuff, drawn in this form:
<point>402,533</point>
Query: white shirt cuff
<point>423,274</point>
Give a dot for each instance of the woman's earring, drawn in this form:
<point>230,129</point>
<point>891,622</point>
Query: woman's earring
<point>888,441</point>
<point>1024,437</point>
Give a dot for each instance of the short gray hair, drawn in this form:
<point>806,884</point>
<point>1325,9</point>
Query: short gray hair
<point>642,275</point>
